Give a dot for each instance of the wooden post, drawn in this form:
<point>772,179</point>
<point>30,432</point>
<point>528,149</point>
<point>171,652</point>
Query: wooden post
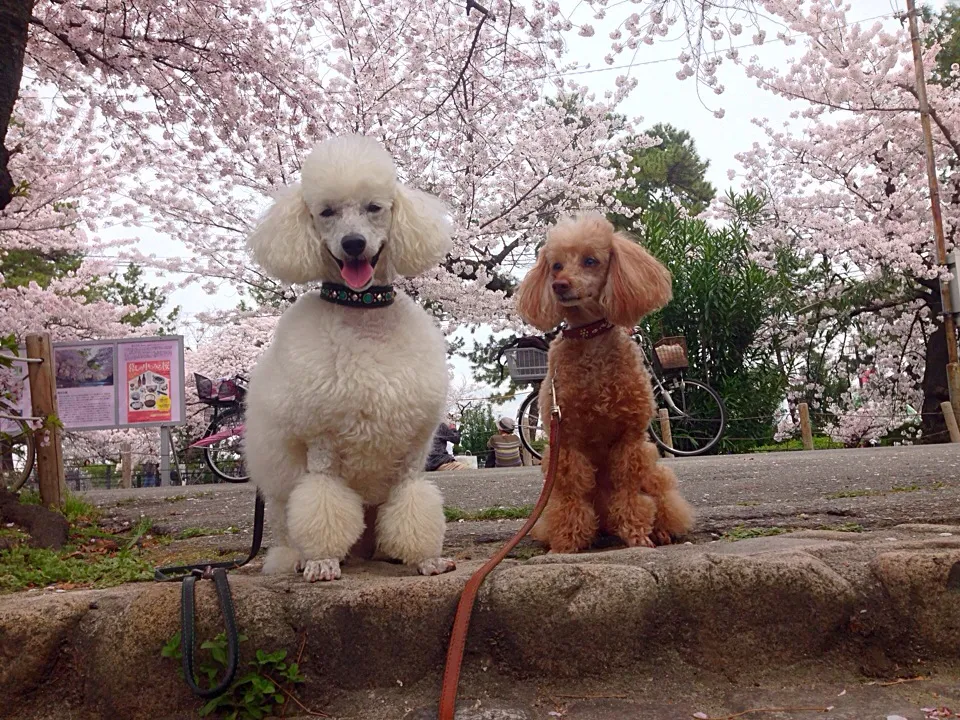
<point>126,465</point>
<point>933,184</point>
<point>43,392</point>
<point>665,433</point>
<point>947,410</point>
<point>805,432</point>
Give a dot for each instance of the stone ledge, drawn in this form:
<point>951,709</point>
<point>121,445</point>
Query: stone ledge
<point>787,599</point>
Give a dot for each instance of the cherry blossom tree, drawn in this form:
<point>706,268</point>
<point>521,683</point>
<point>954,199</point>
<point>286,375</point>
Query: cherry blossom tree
<point>846,186</point>
<point>458,99</point>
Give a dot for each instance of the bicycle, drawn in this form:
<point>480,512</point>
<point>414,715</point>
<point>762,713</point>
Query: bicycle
<point>222,441</point>
<point>697,415</point>
<point>17,450</point>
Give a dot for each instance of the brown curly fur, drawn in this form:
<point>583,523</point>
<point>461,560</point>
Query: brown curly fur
<point>608,477</point>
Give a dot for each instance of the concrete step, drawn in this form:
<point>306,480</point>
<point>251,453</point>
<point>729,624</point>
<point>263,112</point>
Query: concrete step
<point>718,615</point>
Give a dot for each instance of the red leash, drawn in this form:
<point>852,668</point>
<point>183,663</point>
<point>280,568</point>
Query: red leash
<point>461,621</point>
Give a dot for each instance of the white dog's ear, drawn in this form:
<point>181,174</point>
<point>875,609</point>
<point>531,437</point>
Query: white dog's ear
<point>285,241</point>
<point>419,232</point>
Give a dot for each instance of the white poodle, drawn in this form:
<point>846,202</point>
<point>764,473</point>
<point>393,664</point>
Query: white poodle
<point>343,404</point>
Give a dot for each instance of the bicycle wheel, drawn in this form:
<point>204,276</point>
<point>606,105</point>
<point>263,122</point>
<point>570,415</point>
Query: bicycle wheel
<point>225,456</point>
<point>17,454</point>
<point>697,416</point>
<point>533,436</point>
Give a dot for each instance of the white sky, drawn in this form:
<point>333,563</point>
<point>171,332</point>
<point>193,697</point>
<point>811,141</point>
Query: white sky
<point>660,97</point>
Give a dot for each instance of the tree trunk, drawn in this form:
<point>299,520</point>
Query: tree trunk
<point>14,25</point>
<point>935,389</point>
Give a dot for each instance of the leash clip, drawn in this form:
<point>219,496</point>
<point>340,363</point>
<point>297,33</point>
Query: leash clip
<point>554,408</point>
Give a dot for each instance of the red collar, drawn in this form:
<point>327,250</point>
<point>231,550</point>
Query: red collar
<point>590,330</point>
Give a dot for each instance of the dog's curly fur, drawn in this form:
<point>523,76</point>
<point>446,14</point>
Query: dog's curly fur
<point>343,404</point>
<point>608,477</point>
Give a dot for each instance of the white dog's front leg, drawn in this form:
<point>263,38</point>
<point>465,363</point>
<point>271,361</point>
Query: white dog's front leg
<point>411,526</point>
<point>324,520</point>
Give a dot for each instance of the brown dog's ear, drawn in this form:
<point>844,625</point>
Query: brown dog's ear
<point>636,283</point>
<point>535,301</point>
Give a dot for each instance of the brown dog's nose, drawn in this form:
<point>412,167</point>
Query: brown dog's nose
<point>560,287</point>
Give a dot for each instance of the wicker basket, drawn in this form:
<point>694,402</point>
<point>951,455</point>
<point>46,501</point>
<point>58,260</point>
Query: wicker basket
<point>670,354</point>
<point>526,364</point>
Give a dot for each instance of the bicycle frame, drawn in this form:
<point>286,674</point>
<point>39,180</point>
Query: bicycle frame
<point>231,431</point>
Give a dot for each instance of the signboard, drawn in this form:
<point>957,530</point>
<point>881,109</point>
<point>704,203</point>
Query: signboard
<point>110,384</point>
<point>151,382</point>
<point>86,394</point>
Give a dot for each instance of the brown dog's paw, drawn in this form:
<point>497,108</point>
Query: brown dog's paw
<point>661,537</point>
<point>639,540</point>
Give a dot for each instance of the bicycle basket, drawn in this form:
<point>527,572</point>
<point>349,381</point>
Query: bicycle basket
<point>205,388</point>
<point>670,354</point>
<point>228,391</point>
<point>526,364</point>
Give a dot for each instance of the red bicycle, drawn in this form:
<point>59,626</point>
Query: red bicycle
<point>222,442</point>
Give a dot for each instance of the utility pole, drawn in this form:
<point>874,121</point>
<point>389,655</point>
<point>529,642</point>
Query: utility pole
<point>953,369</point>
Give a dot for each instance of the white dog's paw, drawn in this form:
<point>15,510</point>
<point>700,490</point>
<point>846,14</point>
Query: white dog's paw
<point>326,569</point>
<point>436,566</point>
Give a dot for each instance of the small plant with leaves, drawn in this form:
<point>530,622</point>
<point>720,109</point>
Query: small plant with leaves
<point>252,696</point>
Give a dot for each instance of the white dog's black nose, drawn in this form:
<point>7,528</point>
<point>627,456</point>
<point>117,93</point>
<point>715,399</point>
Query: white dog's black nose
<point>353,244</point>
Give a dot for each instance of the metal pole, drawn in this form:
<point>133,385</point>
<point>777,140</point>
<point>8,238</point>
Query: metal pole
<point>164,455</point>
<point>953,369</point>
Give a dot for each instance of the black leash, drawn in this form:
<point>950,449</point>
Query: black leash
<point>188,576</point>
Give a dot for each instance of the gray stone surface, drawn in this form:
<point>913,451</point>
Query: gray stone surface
<point>875,604</point>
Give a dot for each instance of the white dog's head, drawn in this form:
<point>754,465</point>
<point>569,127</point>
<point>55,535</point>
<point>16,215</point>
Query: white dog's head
<point>350,220</point>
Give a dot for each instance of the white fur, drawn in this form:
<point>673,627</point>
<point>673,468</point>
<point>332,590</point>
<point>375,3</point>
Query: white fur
<point>348,175</point>
<point>343,404</point>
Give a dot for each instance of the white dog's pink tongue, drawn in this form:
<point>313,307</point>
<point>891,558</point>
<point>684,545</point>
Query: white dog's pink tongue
<point>357,273</point>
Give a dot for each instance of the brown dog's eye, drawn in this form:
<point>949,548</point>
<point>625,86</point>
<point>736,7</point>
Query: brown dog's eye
<point>373,207</point>
<point>558,266</point>
<point>591,261</point>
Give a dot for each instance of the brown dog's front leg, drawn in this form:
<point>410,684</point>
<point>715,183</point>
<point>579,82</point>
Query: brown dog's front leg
<point>631,509</point>
<point>570,518</point>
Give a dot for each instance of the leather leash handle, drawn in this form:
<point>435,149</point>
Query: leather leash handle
<point>187,642</point>
<point>461,621</point>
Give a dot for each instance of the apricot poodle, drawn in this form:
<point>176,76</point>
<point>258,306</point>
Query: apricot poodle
<point>600,283</point>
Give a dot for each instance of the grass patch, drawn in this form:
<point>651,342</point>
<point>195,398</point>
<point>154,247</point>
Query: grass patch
<point>490,513</point>
<point>905,488</point>
<point>873,493</point>
<point>75,508</point>
<point>742,532</point>
<point>92,556</point>
<point>820,442</point>
<point>844,527</point>
<point>193,532</point>
<point>852,494</point>
<point>23,567</point>
<point>175,498</point>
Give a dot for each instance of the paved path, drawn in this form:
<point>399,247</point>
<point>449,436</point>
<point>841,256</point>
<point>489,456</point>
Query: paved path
<point>873,487</point>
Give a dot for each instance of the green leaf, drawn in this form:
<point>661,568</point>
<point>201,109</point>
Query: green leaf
<point>172,648</point>
<point>209,707</point>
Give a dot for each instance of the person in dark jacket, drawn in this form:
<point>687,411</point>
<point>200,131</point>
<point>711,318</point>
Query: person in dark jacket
<point>439,458</point>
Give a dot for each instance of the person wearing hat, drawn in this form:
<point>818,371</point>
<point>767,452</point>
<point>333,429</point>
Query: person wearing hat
<point>504,446</point>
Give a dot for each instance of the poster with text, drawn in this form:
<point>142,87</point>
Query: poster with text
<point>150,382</point>
<point>86,397</point>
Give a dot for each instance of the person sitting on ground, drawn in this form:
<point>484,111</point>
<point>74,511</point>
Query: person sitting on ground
<point>439,458</point>
<point>504,446</point>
